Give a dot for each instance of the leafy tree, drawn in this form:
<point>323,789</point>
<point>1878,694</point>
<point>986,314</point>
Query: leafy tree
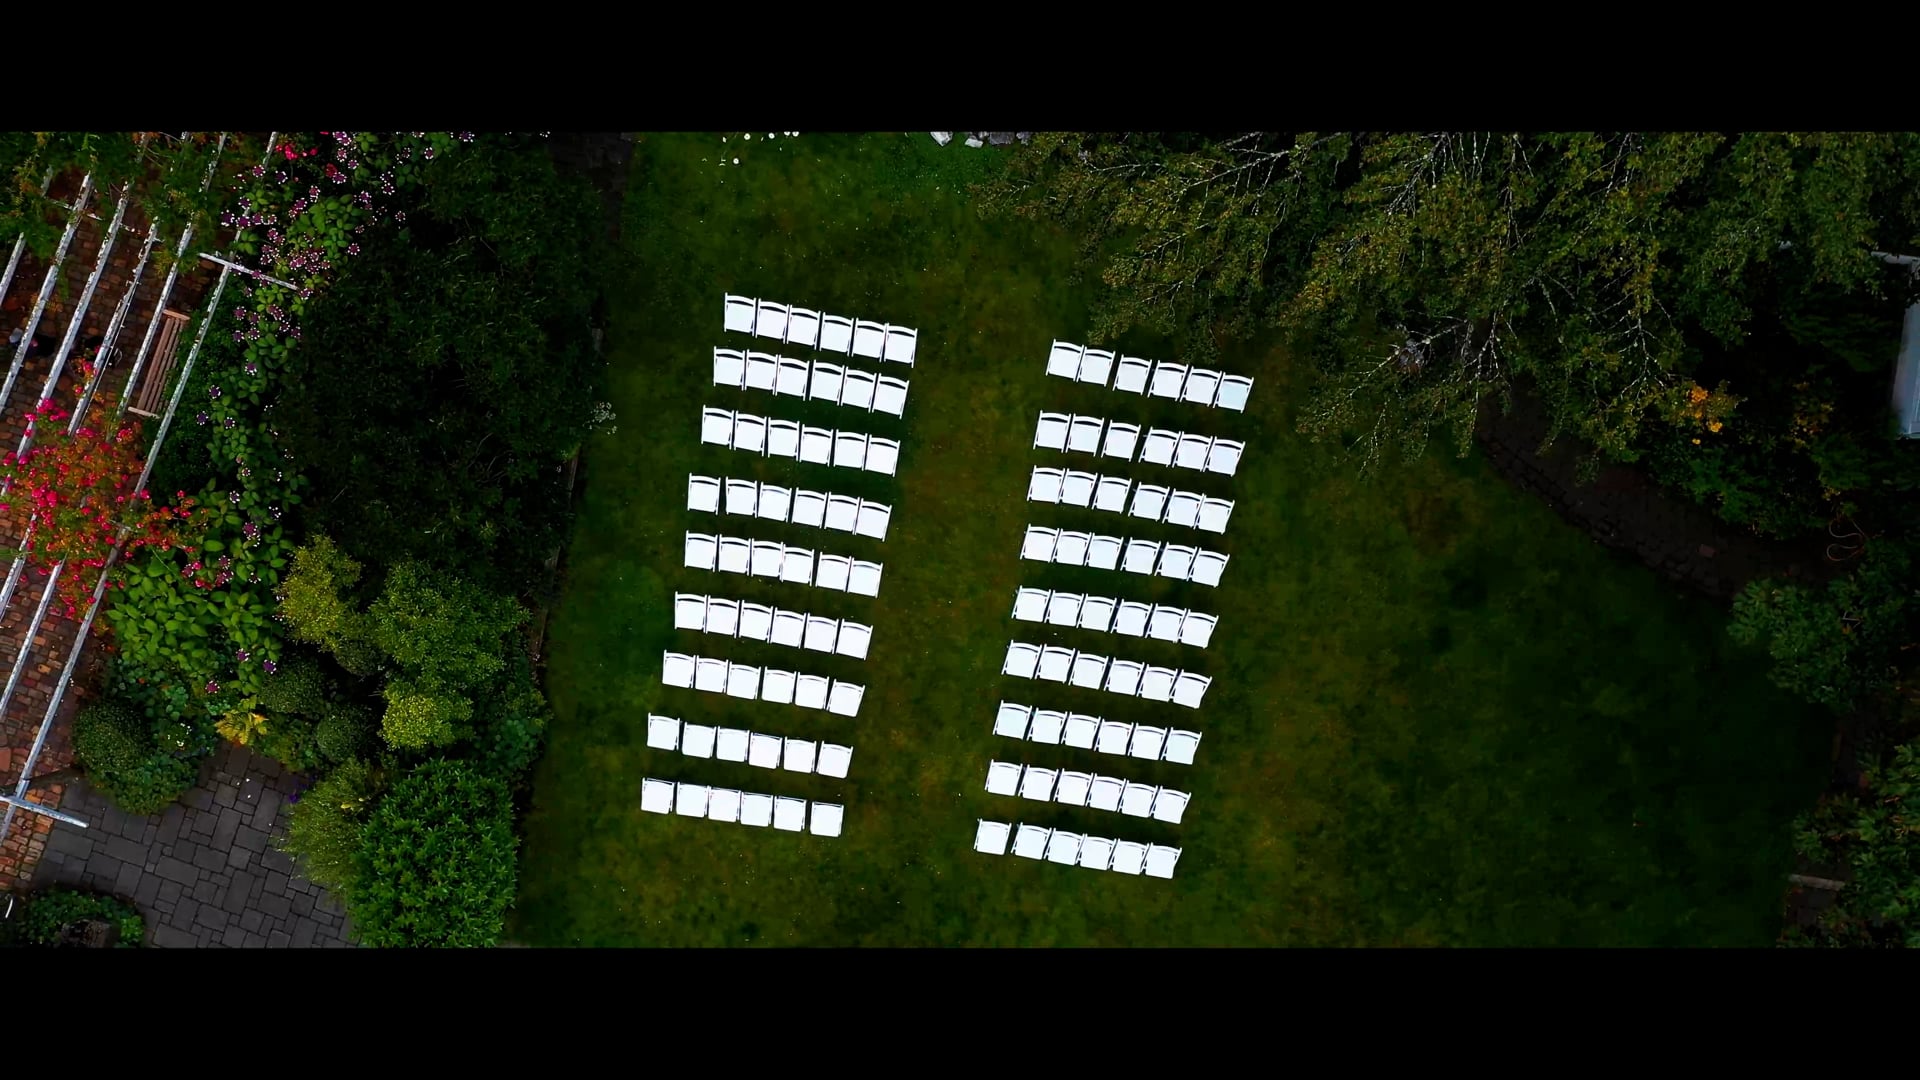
<point>316,604</point>
<point>1838,645</point>
<point>438,627</point>
<point>436,860</point>
<point>1874,837</point>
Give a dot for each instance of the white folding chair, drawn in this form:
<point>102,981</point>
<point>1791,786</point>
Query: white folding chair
<point>729,368</point>
<point>1096,613</point>
<point>1191,453</point>
<point>771,321</point>
<point>735,555</point>
<point>1072,548</point>
<point>663,733</point>
<point>883,455</point>
<point>775,503</point>
<point>902,343</point>
<point>834,760</point>
<point>1224,458</point>
<point>1159,446</point>
<point>1083,434</point>
<point>1123,677</point>
<point>1129,856</point>
<point>776,686</point>
<point>825,382</point>
<point>1096,853</point>
<point>1063,609</point>
<point>1022,659</point>
<point>750,433</point>
<point>1076,489</point>
<point>1164,623</point>
<point>1037,783</point>
<point>1055,662</point>
<point>1095,366</point>
<point>832,573</point>
<point>1050,432</point>
<point>1011,720</point>
<point>739,314</point>
<point>723,617</point>
<point>1131,618</point>
<point>796,566</point>
<point>1038,544</point>
<point>690,800</point>
<point>763,372</point>
<point>890,396</point>
<point>1147,743</point>
<point>849,449</point>
<point>656,796</point>
<point>792,379</point>
<point>1003,778</point>
<point>783,438</point>
<point>1122,440</point>
<point>1201,386</point>
<point>856,389</point>
<point>853,638</point>
<point>1183,509</point>
<point>742,497</point>
<point>1047,724</point>
<point>836,333</point>
<point>689,611</point>
<point>1170,806</point>
<point>1110,494</point>
<point>767,557</point>
<point>1064,359</point>
<point>716,426</point>
<point>697,741</point>
<point>873,520</point>
<point>803,327</point>
<point>869,338</point>
<point>990,838</point>
<point>1114,736</point>
<point>730,744</point>
<point>756,809</point>
<point>821,633</point>
<point>1150,502</point>
<point>1207,568</point>
<point>1161,860</point>
<point>709,675</point>
<point>1233,392</point>
<point>810,691</point>
<point>1063,847</point>
<point>789,628</point>
<point>763,751</point>
<point>1088,671</point>
<point>1030,605</point>
<point>723,805</point>
<point>789,814</point>
<point>1141,556</point>
<point>1080,730</point>
<point>843,513</point>
<point>1131,375</point>
<point>1197,629</point>
<point>1103,552</point>
<point>1137,799</point>
<point>844,699</point>
<point>1071,788</point>
<point>1214,514</point>
<point>676,669</point>
<point>809,508</point>
<point>1104,793</point>
<point>743,681</point>
<point>825,819</point>
<point>1176,561</point>
<point>863,578</point>
<point>816,445</point>
<point>1168,379</point>
<point>796,755</point>
<point>1156,683</point>
<point>1044,484</point>
<point>1190,689</point>
<point>1030,841</point>
<point>703,494</point>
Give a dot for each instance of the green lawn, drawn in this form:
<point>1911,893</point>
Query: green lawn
<point>1439,715</point>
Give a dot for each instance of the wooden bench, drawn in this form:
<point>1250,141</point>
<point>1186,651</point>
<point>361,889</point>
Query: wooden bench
<point>166,347</point>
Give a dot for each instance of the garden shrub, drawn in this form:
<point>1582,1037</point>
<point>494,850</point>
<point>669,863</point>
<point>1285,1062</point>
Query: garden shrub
<point>344,732</point>
<point>317,606</point>
<point>1870,834</point>
<point>422,715</point>
<point>436,862</point>
<point>1837,645</point>
<point>325,821</point>
<point>440,628</point>
<point>511,721</point>
<point>114,742</point>
<point>48,915</point>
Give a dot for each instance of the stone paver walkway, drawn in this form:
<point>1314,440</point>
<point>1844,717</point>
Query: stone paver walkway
<point>205,872</point>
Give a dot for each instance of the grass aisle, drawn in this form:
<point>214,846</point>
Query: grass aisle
<point>1439,716</point>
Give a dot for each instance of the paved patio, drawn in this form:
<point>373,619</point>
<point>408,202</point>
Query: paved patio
<point>205,872</point>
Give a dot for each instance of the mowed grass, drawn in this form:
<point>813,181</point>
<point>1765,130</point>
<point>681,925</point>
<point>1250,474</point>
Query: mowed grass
<point>1439,716</point>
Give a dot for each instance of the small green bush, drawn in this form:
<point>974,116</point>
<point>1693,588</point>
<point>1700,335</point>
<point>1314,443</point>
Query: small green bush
<point>299,688</point>
<point>441,628</point>
<point>114,742</point>
<point>324,824</point>
<point>421,715</point>
<point>49,913</point>
<point>511,720</point>
<point>436,862</point>
<point>345,732</point>
<point>1837,645</point>
<point>318,608</point>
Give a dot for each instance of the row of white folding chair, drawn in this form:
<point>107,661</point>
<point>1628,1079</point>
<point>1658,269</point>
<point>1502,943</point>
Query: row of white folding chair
<point>1118,439</point>
<point>776,685</point>
<point>735,744</point>
<point>1091,671</point>
<point>795,565</point>
<point>1185,450</point>
<point>1109,615</point>
<point>740,807</point>
<point>1074,849</point>
<point>786,438</point>
<point>1102,552</point>
<point>820,509</point>
<point>828,333</point>
<point>1054,727</point>
<point>816,381</point>
<point>1087,789</point>
<point>1080,434</point>
<point>761,622</point>
<point>1199,386</point>
<point>1072,487</point>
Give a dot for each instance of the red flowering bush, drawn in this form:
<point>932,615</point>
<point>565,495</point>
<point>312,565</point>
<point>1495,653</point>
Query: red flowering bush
<point>73,493</point>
